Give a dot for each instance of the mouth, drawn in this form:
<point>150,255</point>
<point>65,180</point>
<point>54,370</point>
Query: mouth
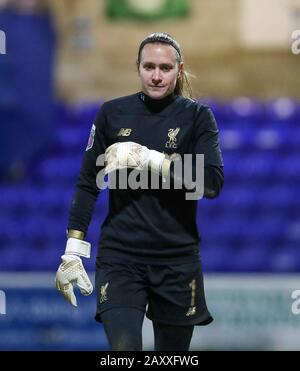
<point>156,87</point>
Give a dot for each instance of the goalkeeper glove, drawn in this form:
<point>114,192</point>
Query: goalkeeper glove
<point>135,156</point>
<point>71,271</point>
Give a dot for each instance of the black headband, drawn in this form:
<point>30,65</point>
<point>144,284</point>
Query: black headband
<point>161,37</point>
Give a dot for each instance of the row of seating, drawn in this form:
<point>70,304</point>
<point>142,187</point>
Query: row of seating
<point>242,110</point>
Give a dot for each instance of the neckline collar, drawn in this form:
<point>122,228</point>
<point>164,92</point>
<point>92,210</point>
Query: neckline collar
<point>157,104</point>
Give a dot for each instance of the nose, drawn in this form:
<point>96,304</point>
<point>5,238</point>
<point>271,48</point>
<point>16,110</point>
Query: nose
<point>156,76</point>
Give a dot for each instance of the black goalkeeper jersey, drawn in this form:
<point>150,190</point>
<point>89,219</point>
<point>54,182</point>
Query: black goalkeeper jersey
<point>149,225</point>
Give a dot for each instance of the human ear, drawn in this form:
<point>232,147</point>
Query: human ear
<point>181,67</point>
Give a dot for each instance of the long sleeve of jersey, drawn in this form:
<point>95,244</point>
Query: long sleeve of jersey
<point>206,142</point>
<point>86,192</point>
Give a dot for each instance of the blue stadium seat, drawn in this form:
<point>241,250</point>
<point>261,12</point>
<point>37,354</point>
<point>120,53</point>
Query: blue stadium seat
<point>253,258</point>
<point>246,112</point>
<point>286,259</point>
<point>283,111</point>
<point>72,138</point>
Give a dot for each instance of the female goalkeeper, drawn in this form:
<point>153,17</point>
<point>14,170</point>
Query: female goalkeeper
<point>148,259</point>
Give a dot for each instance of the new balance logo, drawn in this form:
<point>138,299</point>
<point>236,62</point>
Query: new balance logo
<point>124,132</point>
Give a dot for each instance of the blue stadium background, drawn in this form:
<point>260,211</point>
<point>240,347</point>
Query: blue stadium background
<point>252,228</point>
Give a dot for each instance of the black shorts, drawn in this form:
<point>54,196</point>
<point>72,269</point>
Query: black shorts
<point>174,293</point>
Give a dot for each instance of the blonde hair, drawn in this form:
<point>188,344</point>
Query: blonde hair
<point>183,84</point>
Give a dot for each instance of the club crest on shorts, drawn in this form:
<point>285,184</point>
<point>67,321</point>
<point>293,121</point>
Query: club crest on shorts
<point>191,311</point>
<point>91,138</point>
<point>172,134</point>
<point>103,293</point>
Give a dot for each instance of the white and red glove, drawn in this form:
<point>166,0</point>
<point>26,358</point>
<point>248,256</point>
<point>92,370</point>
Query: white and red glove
<point>71,271</point>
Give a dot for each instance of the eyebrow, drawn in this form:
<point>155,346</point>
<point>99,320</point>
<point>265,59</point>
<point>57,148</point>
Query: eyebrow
<point>160,65</point>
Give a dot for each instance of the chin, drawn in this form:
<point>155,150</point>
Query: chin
<point>157,94</point>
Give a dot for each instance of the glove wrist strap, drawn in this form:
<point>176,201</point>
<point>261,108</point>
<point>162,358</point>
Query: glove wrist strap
<point>78,247</point>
